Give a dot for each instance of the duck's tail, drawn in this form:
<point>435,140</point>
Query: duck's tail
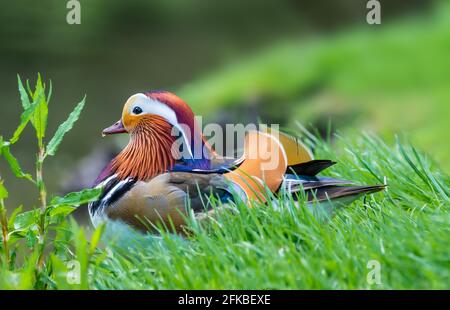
<point>303,182</point>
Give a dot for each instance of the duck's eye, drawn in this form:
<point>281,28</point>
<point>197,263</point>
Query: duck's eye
<point>137,110</point>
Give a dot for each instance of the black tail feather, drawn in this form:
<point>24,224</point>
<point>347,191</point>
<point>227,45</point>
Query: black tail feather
<point>323,188</point>
<point>311,168</point>
<point>335,192</point>
<point>295,184</point>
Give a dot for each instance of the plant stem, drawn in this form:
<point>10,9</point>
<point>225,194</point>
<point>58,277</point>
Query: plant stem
<point>43,200</point>
<point>40,180</point>
<point>4,223</point>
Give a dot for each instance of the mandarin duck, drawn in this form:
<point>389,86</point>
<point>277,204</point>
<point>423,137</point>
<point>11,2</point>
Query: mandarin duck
<point>150,183</point>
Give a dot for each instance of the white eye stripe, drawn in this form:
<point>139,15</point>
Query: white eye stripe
<point>150,106</point>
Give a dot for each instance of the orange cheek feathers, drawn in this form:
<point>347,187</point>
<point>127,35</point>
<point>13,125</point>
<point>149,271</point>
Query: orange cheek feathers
<point>130,121</point>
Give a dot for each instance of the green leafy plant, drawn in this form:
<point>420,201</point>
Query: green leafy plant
<point>36,231</point>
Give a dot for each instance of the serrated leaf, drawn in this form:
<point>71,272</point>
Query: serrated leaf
<point>65,127</point>
<point>77,198</point>
<point>26,116</point>
<point>26,219</point>
<point>14,164</point>
<point>23,94</point>
<point>39,119</point>
<point>62,210</point>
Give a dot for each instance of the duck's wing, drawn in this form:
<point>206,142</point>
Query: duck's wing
<point>262,166</point>
<point>167,198</point>
<point>218,165</point>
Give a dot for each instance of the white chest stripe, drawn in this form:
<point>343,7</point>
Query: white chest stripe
<point>150,106</point>
<point>98,214</point>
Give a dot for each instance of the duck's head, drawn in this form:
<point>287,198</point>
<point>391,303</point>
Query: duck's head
<point>150,119</point>
<point>156,108</point>
<point>143,108</point>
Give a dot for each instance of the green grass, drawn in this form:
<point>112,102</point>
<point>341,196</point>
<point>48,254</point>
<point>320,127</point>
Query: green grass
<point>406,229</point>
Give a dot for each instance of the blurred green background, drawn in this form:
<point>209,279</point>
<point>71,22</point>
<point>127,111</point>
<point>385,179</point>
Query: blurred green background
<point>233,61</point>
